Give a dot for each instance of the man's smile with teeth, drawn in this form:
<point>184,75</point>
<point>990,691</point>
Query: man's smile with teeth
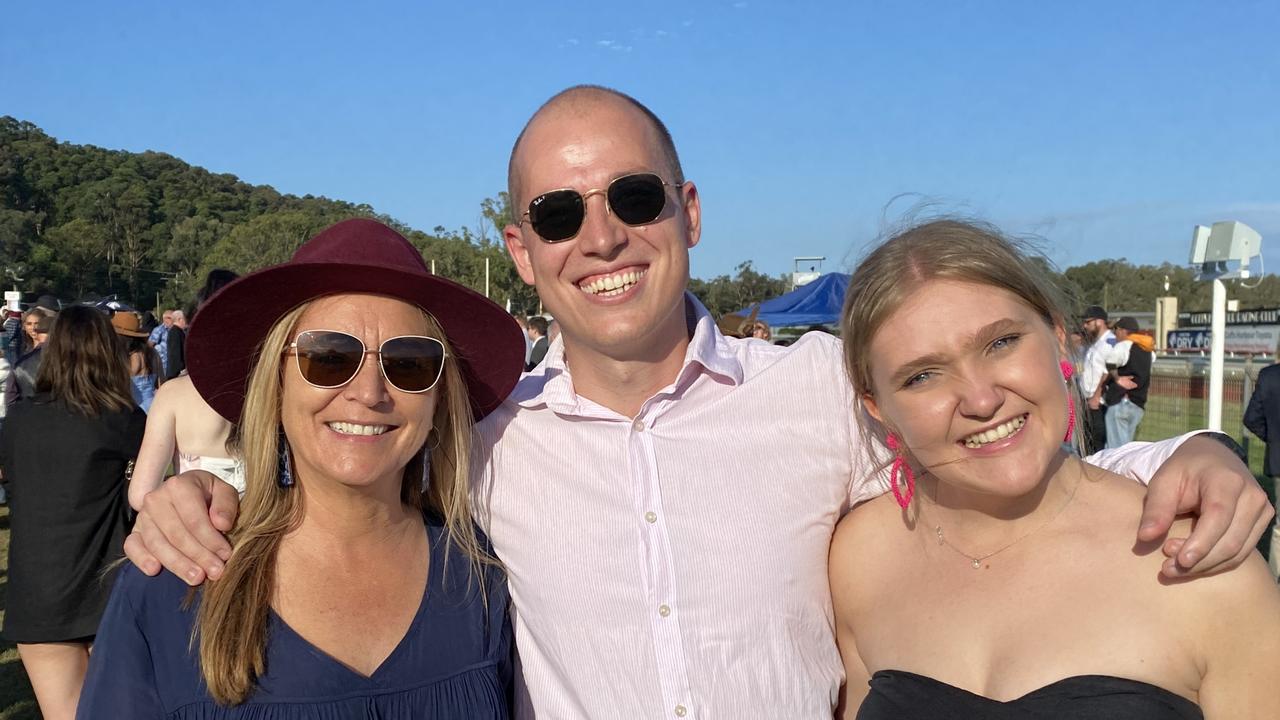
<point>614,284</point>
<point>346,428</point>
<point>986,437</point>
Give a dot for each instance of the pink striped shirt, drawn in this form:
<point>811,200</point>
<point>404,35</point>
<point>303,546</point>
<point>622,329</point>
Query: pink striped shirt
<point>674,564</point>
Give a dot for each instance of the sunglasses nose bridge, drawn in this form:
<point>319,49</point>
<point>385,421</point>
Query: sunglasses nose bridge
<point>369,384</point>
<point>603,192</point>
<point>601,233</point>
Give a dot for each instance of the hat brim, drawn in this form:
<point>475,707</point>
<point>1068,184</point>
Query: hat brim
<point>130,333</point>
<point>225,336</point>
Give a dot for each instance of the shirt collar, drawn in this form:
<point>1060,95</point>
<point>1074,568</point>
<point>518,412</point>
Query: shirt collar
<point>709,351</point>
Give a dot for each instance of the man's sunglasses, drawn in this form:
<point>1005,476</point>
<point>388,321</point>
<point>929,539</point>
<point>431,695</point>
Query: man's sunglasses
<point>636,199</point>
<point>329,359</point>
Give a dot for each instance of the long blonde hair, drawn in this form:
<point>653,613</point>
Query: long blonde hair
<point>231,625</point>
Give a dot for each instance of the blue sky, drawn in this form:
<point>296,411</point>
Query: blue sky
<point>1107,128</point>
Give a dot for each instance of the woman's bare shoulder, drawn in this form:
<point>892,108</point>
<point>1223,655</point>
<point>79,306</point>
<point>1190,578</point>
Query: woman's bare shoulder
<point>1114,507</point>
<point>177,390</point>
<point>863,537</point>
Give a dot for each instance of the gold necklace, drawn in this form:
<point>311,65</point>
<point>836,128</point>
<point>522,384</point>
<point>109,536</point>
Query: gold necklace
<point>976,560</point>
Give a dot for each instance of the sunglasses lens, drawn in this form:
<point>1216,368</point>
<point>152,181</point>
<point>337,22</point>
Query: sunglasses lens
<point>637,199</point>
<point>328,359</point>
<point>412,364</point>
<point>557,215</point>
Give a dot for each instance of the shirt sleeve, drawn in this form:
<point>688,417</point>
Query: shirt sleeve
<point>869,458</point>
<point>121,681</point>
<point>872,462</point>
<point>1139,460</point>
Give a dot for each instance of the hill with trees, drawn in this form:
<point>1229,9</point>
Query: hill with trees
<point>79,221</point>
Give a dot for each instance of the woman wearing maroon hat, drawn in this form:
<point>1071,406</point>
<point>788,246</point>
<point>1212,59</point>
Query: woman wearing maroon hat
<point>357,585</point>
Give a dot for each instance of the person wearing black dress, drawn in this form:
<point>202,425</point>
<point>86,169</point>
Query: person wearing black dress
<point>357,584</point>
<point>1009,585</point>
<point>64,452</point>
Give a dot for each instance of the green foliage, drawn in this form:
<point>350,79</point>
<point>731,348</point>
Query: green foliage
<point>78,220</point>
<point>726,294</point>
<point>1119,285</point>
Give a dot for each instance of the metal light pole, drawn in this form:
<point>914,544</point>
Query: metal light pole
<point>1212,248</point>
<point>1217,351</point>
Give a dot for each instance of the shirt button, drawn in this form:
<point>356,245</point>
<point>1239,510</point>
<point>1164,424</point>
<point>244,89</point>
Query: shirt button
<point>681,711</point>
<point>652,517</point>
<point>663,610</point>
<point>637,425</point>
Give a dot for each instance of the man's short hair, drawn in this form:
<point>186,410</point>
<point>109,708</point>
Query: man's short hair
<point>593,93</point>
<point>538,324</point>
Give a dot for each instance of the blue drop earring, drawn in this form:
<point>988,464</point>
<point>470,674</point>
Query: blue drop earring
<point>284,466</point>
<point>427,449</point>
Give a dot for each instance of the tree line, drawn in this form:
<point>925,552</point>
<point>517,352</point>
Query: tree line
<point>78,220</point>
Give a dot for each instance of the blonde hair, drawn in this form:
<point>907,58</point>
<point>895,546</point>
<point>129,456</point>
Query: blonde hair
<point>947,249</point>
<point>231,624</point>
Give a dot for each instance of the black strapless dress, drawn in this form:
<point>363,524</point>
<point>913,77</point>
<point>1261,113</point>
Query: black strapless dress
<point>902,695</point>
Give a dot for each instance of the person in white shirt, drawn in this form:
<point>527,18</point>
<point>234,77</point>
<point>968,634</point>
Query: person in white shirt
<point>663,497</point>
<point>1093,375</point>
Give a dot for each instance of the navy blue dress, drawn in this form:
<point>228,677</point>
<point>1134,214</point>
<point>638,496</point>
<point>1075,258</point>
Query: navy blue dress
<point>455,661</point>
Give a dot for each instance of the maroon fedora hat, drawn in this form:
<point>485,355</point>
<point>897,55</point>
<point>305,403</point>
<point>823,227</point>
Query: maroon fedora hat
<point>353,256</point>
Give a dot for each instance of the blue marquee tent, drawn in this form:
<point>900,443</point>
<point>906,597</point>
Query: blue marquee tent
<point>817,303</point>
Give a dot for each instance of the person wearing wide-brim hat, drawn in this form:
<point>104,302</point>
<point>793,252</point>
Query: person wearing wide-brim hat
<point>353,376</point>
<point>146,373</point>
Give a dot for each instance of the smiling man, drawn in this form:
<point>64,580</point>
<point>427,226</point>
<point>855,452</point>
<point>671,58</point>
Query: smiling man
<point>663,497</point>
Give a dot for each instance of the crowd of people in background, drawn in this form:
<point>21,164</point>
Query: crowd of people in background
<point>78,382</point>
<point>1113,362</point>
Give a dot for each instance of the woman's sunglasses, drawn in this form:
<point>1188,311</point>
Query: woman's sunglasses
<point>329,359</point>
<point>636,199</point>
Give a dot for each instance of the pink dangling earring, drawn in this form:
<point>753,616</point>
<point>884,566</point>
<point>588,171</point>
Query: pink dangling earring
<point>1067,372</point>
<point>900,466</point>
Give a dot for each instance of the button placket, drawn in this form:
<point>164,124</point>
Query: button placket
<point>659,582</point>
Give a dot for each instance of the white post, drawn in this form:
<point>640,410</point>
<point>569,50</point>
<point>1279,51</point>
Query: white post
<point>486,277</point>
<point>433,266</point>
<point>1218,342</point>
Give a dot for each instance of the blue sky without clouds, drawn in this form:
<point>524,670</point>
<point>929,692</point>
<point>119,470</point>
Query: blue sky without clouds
<point>1108,128</point>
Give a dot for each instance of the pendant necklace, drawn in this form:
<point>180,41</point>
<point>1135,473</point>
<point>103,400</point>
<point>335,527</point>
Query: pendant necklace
<point>976,560</point>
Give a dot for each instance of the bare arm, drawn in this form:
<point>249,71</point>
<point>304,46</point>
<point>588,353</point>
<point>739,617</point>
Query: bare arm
<point>156,453</point>
<point>1241,639</point>
<point>844,600</point>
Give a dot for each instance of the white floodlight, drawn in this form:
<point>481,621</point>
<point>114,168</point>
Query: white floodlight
<point>1199,245</point>
<point>1233,241</point>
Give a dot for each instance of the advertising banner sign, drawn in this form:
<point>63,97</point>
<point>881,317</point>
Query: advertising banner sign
<point>1247,339</point>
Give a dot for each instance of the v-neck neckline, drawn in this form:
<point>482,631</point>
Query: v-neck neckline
<point>415,625</point>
